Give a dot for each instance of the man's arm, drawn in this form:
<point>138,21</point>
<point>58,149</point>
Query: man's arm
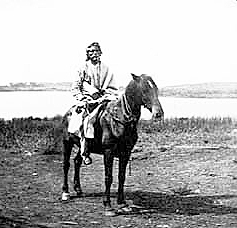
<point>82,89</point>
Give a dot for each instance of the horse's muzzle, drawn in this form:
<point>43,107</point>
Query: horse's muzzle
<point>157,113</point>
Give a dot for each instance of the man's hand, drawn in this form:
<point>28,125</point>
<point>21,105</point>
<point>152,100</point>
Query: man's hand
<point>102,92</point>
<point>96,95</point>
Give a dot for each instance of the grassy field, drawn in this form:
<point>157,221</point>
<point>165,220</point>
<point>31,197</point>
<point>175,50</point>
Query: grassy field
<point>183,174</point>
<point>23,133</point>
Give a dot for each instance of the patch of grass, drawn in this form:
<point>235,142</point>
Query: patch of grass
<point>46,134</point>
<point>182,125</point>
<point>22,133</point>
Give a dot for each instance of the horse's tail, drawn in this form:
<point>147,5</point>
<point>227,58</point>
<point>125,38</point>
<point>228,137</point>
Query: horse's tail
<point>56,135</point>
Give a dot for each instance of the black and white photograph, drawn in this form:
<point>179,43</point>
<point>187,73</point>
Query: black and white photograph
<point>118,114</point>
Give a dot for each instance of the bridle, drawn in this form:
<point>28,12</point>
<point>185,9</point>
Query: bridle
<point>128,116</point>
<point>126,109</point>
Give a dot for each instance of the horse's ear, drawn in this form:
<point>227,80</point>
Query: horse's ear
<point>135,77</point>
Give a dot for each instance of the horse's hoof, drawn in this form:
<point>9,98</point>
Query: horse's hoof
<point>78,191</point>
<point>109,212</point>
<point>124,209</point>
<point>80,194</point>
<point>65,196</point>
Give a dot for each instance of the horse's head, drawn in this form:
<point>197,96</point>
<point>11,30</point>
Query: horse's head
<point>148,95</point>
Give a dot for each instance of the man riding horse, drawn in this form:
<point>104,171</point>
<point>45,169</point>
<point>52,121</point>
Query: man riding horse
<point>94,84</point>
<point>116,122</point>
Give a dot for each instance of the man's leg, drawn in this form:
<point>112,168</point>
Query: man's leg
<point>76,126</point>
<point>87,141</point>
<point>86,148</point>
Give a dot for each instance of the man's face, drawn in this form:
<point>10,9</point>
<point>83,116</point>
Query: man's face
<point>94,54</point>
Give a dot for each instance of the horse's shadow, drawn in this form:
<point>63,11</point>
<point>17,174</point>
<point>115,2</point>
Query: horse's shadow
<point>176,204</point>
<point>156,202</point>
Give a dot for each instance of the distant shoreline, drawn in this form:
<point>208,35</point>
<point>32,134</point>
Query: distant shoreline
<point>35,90</point>
<point>202,90</point>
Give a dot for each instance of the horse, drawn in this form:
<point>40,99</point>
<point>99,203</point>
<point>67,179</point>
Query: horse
<point>115,136</point>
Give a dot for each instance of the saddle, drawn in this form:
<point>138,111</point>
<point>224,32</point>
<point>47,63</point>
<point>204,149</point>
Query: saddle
<point>109,111</point>
<point>113,114</point>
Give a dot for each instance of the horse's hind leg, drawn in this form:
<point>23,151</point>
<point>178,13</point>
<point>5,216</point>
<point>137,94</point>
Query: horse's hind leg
<point>77,165</point>
<point>108,166</point>
<point>67,149</point>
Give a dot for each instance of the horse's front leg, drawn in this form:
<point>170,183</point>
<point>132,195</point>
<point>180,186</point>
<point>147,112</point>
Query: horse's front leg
<point>108,166</point>
<point>122,206</point>
<point>67,148</point>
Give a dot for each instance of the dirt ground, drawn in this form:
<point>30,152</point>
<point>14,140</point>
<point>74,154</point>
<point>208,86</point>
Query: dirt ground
<point>176,183</point>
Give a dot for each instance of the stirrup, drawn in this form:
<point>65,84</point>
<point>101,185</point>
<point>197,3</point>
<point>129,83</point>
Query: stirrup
<point>87,160</point>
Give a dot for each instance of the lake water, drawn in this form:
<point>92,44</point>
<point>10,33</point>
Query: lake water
<point>48,104</point>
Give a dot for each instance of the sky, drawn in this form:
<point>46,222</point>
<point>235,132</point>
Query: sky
<point>176,41</point>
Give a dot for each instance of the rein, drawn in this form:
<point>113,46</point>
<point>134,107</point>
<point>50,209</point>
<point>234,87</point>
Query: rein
<point>127,112</point>
<point>126,109</point>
